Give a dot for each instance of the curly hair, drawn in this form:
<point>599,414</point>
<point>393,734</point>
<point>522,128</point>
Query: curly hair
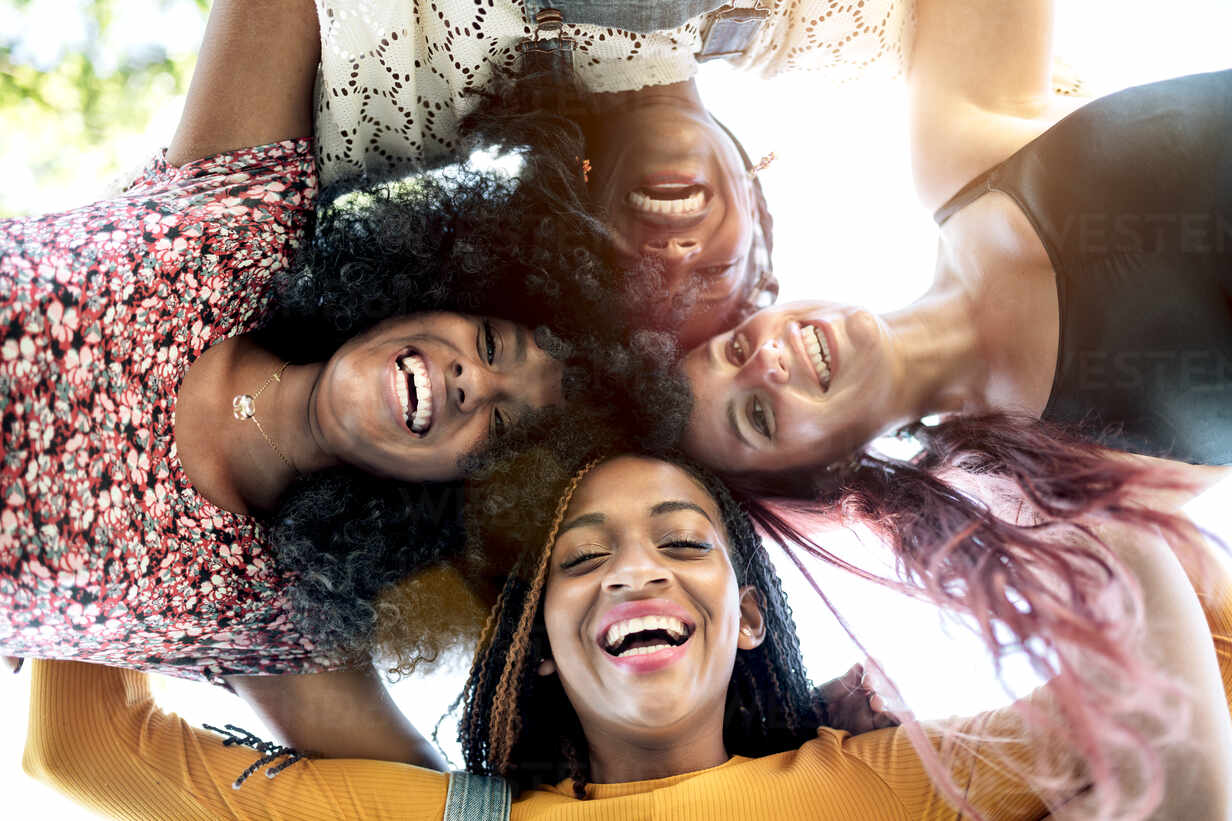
<point>770,704</point>
<point>461,239</point>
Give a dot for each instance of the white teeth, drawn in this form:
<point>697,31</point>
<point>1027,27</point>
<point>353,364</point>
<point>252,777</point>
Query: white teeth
<point>414,365</point>
<point>643,651</point>
<point>673,207</point>
<point>819,353</point>
<point>617,632</point>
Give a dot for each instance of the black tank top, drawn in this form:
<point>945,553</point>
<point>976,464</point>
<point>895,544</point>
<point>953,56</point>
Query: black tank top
<point>1131,196</point>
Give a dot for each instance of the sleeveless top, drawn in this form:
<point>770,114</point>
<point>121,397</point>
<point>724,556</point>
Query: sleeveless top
<point>1131,196</point>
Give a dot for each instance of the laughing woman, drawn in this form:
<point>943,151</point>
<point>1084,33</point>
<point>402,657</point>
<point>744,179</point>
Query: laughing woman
<point>216,455</point>
<point>647,606</point>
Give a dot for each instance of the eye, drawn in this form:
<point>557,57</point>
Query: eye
<point>489,342</point>
<point>587,553</point>
<point>758,417</point>
<point>499,424</point>
<point>737,349</point>
<point>687,545</point>
<point>715,270</point>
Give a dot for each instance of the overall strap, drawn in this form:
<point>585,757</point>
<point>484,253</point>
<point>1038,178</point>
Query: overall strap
<point>968,194</point>
<point>631,15</point>
<point>477,798</point>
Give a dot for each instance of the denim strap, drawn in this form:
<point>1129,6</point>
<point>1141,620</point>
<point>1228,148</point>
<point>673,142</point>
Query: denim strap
<point>476,798</point>
<point>631,15</point>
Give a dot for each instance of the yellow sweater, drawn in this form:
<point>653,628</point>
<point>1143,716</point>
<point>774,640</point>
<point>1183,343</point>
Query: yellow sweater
<point>96,734</point>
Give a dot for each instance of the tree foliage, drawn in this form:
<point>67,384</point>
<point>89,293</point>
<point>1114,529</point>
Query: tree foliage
<point>87,92</point>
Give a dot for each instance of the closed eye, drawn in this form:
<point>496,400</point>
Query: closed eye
<point>581,558</point>
<point>687,545</point>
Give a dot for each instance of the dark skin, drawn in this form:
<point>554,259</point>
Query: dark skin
<point>655,146</point>
<point>252,86</point>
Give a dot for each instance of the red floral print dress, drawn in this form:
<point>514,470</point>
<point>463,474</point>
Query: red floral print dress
<point>107,553</point>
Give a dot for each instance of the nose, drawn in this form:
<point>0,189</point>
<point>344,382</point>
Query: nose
<point>474,386</point>
<point>674,251</point>
<point>769,363</point>
<point>635,568</point>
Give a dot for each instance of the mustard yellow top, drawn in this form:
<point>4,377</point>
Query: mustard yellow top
<point>97,735</point>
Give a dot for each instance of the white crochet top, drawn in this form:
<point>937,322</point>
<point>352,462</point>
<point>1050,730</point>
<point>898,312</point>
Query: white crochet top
<point>394,74</point>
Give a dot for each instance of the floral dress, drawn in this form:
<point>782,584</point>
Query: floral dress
<point>107,553</point>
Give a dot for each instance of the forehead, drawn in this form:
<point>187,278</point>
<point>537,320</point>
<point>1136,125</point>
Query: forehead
<point>633,484</point>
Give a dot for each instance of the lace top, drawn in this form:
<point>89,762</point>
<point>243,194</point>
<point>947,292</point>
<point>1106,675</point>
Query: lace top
<point>107,552</point>
<point>394,76</point>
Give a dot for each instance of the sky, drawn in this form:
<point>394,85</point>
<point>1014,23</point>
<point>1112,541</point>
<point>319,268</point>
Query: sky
<point>847,228</point>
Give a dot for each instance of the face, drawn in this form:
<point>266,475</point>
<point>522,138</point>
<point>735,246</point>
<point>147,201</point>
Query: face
<point>642,608</point>
<point>412,396</point>
<point>796,385</point>
<point>674,187</point>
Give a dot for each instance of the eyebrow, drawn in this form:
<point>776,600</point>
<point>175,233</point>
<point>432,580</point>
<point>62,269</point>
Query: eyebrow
<point>585,520</point>
<point>593,519</point>
<point>519,336</point>
<point>673,506</point>
<point>735,426</point>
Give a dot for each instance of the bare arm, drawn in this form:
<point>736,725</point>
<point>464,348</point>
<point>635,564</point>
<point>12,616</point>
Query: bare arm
<point>253,81</point>
<point>342,714</point>
<point>980,88</point>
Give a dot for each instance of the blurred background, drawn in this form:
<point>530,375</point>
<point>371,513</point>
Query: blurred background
<point>90,89</point>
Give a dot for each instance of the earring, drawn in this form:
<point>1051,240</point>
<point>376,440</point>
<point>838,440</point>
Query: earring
<point>746,630</point>
<point>586,167</point>
<point>762,165</point>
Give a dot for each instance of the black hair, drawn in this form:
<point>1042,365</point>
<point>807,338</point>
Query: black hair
<point>517,724</point>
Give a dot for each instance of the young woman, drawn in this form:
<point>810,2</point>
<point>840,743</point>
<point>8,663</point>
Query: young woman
<point>667,179</point>
<point>651,611</point>
<point>216,455</point>
<point>1084,272</point>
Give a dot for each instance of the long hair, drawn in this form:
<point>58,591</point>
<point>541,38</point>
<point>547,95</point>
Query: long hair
<point>1040,584</point>
<point>770,705</point>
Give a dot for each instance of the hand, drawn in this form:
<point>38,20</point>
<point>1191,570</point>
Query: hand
<point>12,663</point>
<point>853,705</point>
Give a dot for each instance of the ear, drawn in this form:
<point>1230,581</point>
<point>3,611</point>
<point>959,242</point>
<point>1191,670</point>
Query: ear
<point>547,667</point>
<point>767,290</point>
<point>752,621</point>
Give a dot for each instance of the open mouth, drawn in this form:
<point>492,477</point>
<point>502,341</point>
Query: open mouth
<point>414,391</point>
<point>668,199</point>
<point>645,635</point>
<point>818,350</point>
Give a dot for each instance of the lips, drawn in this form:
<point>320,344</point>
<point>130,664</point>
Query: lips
<point>645,635</point>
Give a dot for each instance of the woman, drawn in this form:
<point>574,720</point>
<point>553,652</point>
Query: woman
<point>165,402</point>
<point>1084,272</point>
<point>667,179</point>
<point>654,611</point>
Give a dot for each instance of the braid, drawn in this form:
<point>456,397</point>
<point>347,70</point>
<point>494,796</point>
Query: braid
<point>579,773</point>
<point>506,721</point>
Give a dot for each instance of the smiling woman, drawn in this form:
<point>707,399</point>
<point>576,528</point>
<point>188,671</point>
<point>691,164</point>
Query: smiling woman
<point>642,661</point>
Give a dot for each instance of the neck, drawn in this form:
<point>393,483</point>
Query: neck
<point>257,467</point>
<point>615,760</point>
<point>940,353</point>
<point>684,95</point>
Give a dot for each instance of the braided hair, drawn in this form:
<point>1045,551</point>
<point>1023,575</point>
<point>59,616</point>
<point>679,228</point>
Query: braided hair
<point>770,704</point>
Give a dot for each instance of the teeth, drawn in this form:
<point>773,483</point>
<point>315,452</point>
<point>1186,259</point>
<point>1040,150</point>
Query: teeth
<point>673,207</point>
<point>617,632</point>
<point>819,353</point>
<point>422,420</point>
<point>645,651</point>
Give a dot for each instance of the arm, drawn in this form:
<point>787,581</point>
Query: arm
<point>97,735</point>
<point>253,81</point>
<point>343,714</point>
<point>979,86</point>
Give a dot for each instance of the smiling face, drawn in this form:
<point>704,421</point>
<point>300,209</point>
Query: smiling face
<point>410,397</point>
<point>796,385</point>
<point>674,187</point>
<point>642,608</point>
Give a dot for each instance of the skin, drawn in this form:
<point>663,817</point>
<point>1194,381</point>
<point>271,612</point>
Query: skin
<point>664,134</point>
<point>614,548</point>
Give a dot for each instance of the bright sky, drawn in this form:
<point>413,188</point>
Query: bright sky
<point>848,228</point>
